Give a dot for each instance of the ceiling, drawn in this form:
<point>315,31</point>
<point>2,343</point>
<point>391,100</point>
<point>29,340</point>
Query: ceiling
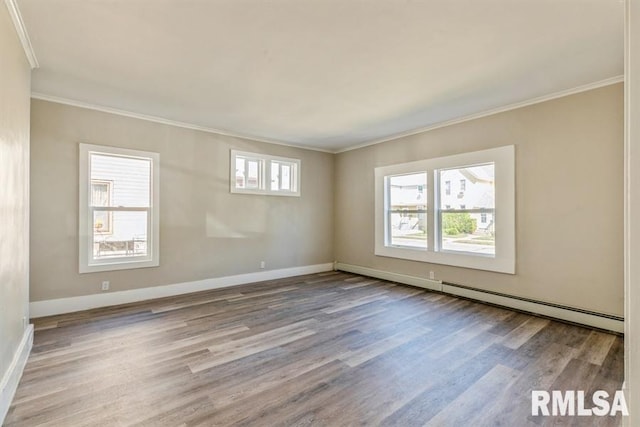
<point>323,74</point>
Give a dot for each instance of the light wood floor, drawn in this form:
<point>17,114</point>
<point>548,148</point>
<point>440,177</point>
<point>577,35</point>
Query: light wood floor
<point>332,349</point>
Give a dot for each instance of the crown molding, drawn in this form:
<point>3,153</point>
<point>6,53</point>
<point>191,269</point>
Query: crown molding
<point>515,106</point>
<point>21,30</point>
<point>161,120</point>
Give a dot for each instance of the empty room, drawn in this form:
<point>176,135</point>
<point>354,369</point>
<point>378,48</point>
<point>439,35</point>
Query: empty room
<point>325,213</point>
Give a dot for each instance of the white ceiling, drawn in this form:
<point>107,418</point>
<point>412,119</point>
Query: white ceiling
<point>327,74</point>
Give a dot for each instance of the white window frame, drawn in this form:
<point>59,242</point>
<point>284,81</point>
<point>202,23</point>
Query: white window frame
<point>504,260</point>
<point>264,179</point>
<point>85,230</point>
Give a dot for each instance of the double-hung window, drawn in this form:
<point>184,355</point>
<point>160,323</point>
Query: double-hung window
<point>418,216</point>
<point>253,173</point>
<point>119,215</point>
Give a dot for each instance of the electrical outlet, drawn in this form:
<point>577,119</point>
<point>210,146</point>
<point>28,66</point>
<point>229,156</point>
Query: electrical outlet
<point>105,285</point>
<point>263,264</point>
<point>432,275</point>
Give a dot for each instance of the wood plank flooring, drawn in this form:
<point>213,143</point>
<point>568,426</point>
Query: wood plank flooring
<point>331,349</point>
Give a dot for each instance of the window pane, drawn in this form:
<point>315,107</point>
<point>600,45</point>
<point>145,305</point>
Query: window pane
<point>286,177</point>
<point>247,172</point>
<point>129,178</point>
<point>409,229</point>
<point>102,222</point>
<point>253,174</point>
<point>468,231</point>
<point>127,236</point>
<point>474,190</point>
<point>275,176</point>
<point>407,219</point>
<point>240,172</point>
<point>462,231</point>
<point>282,176</point>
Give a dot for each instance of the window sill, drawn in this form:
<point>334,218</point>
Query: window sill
<point>455,259</point>
<point>264,192</point>
<point>118,265</point>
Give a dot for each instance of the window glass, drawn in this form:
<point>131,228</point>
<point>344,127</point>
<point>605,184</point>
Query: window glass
<point>247,172</point>
<point>275,176</point>
<point>407,210</point>
<point>467,217</point>
<point>128,239</point>
<point>286,177</point>
<point>130,179</point>
<point>253,173</point>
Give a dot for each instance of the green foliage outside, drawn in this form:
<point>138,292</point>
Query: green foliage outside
<point>458,223</point>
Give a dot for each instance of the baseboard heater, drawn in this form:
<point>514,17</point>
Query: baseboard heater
<point>579,316</point>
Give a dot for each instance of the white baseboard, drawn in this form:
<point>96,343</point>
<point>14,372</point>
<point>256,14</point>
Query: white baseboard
<point>555,311</point>
<point>433,285</point>
<point>11,378</point>
<point>86,302</point>
<point>550,310</point>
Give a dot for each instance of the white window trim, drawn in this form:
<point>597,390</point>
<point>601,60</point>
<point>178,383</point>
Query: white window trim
<point>84,234</point>
<point>504,260</point>
<point>266,174</point>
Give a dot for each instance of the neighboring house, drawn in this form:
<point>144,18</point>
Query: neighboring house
<point>467,189</point>
<point>461,189</point>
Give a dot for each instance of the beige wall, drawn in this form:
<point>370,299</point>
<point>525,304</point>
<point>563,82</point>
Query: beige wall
<point>569,163</point>
<point>15,88</point>
<point>569,199</point>
<point>205,231</point>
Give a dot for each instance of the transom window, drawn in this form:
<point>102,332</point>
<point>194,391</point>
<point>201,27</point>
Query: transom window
<point>252,173</point>
<point>119,216</point>
<point>419,216</point>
